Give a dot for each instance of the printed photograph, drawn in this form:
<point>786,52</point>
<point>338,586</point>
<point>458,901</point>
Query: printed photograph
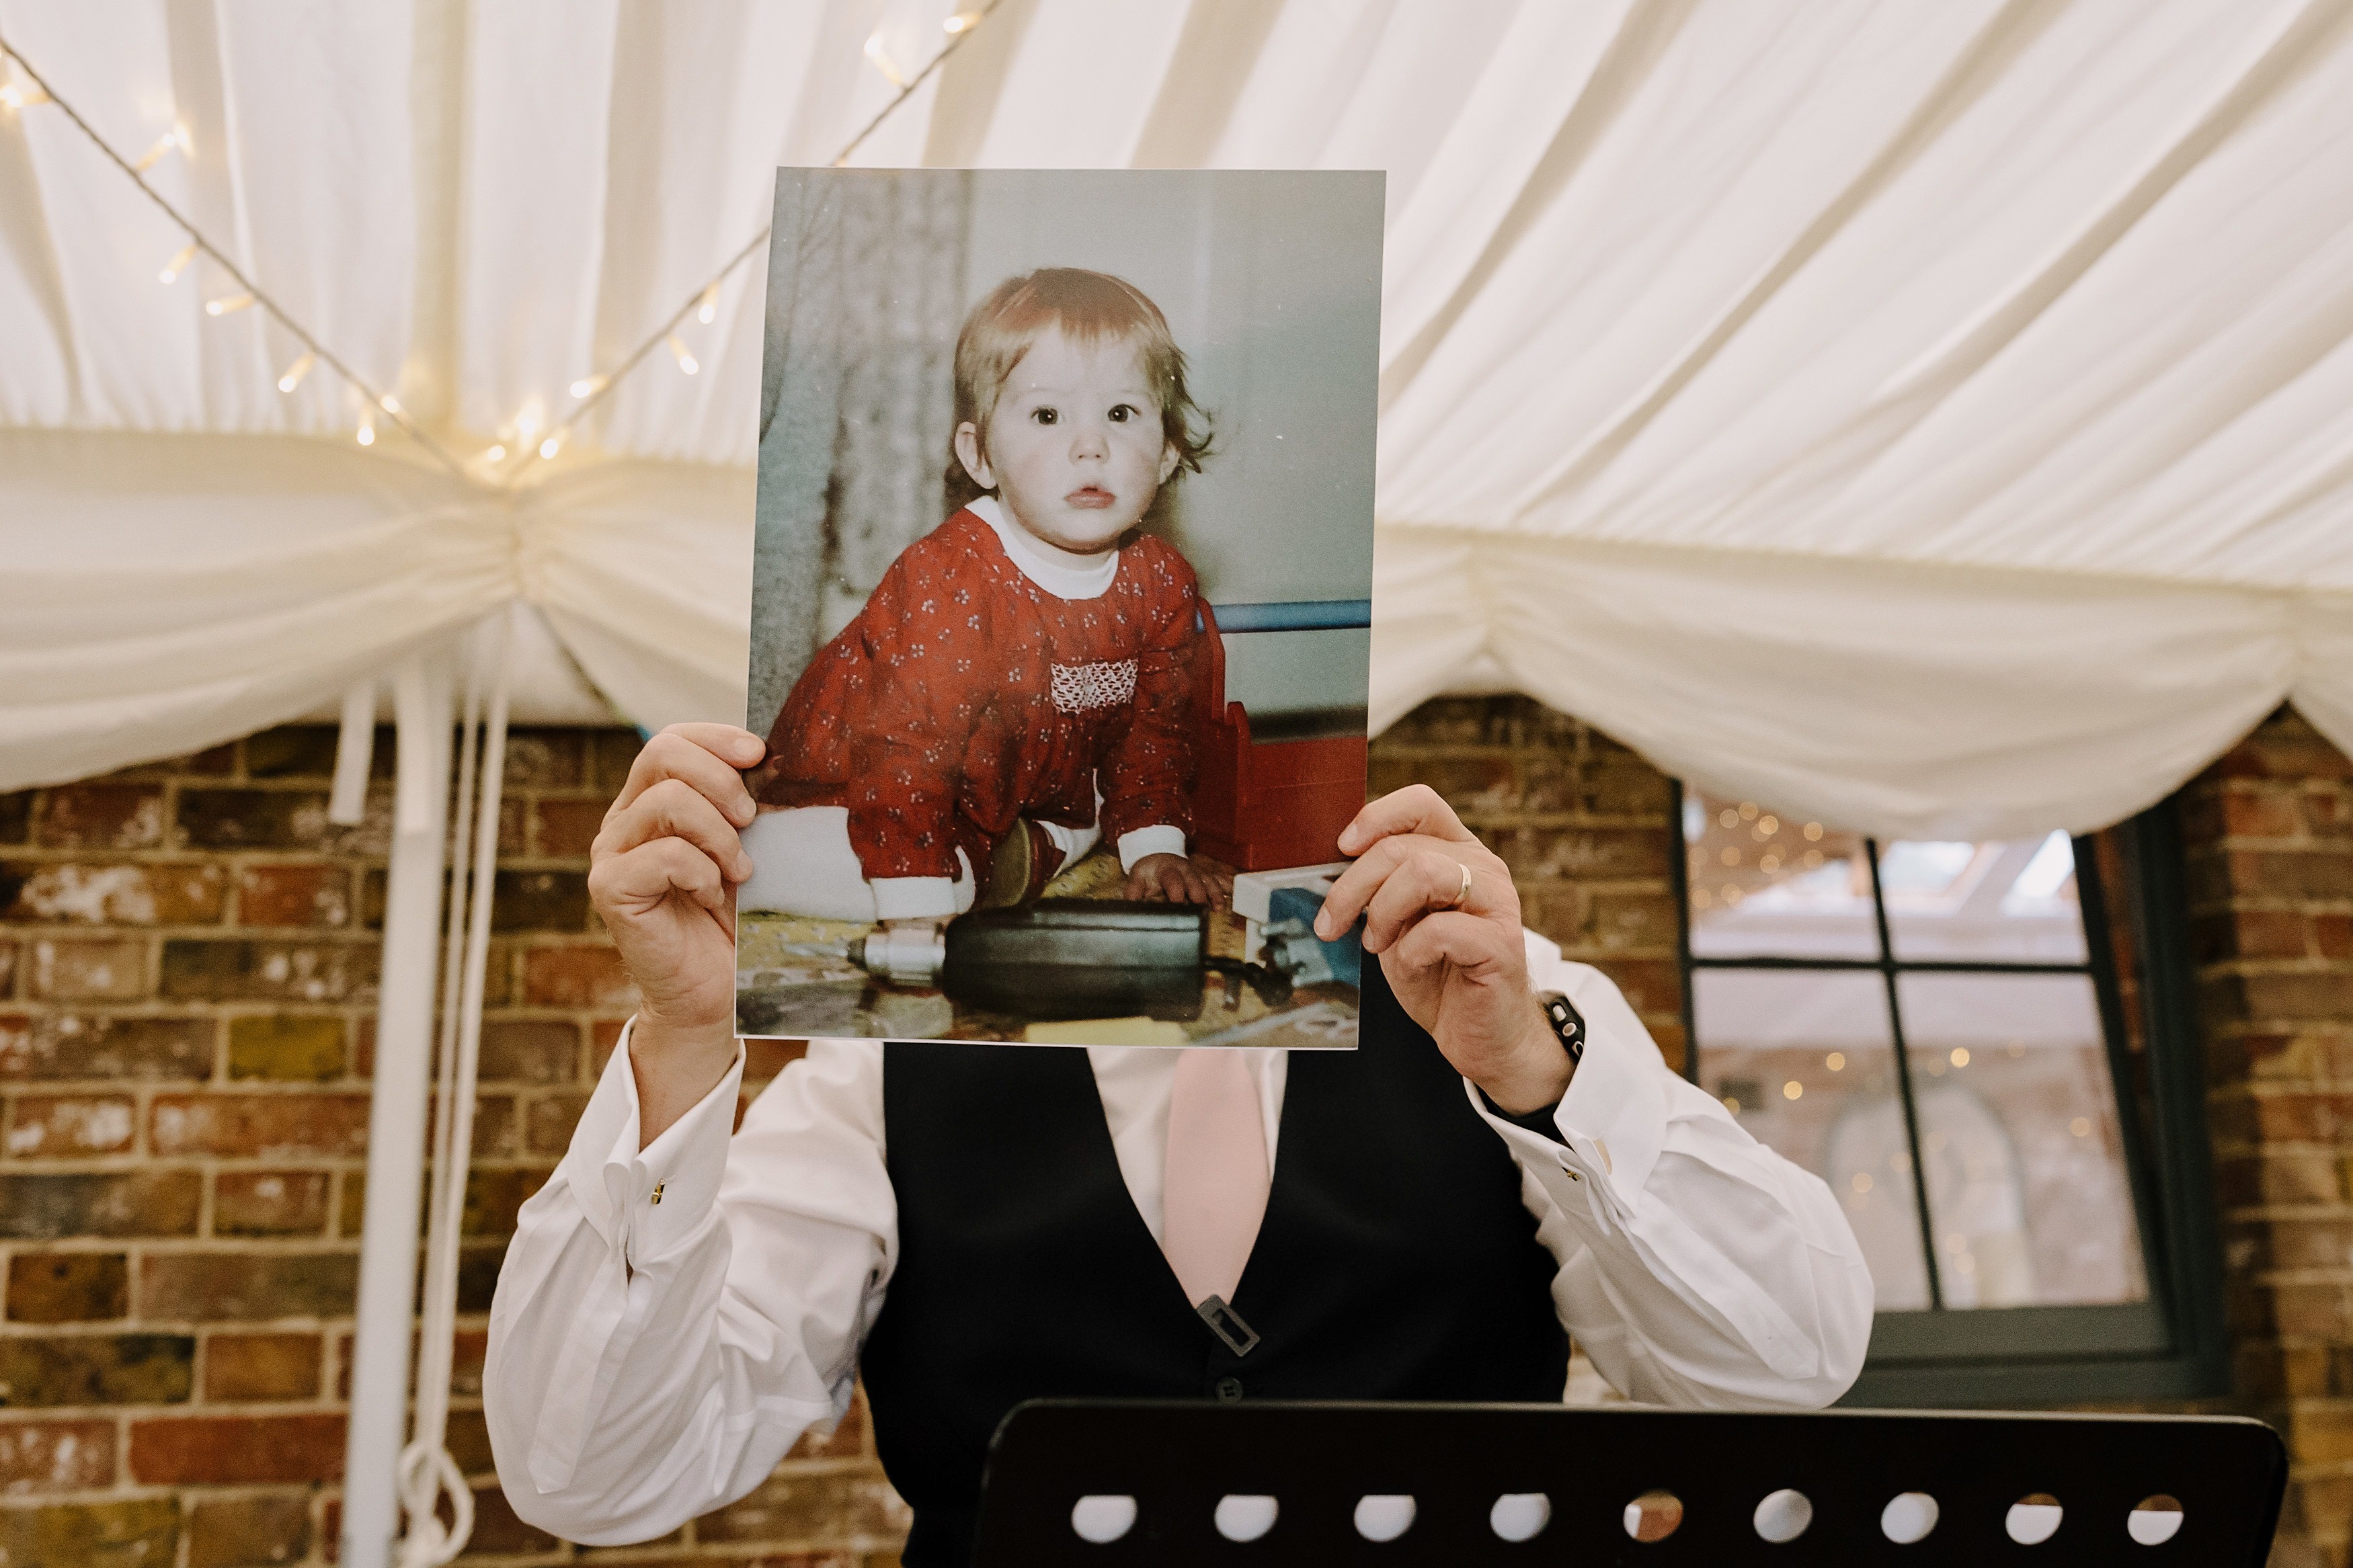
<point>1061,605</point>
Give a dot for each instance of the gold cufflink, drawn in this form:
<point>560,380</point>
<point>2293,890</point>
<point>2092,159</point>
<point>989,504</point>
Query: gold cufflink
<point>658,1187</point>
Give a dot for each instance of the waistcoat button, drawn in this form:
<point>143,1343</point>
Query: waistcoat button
<point>1229,1389</point>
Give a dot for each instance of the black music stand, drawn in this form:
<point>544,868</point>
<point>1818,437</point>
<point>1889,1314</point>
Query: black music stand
<point>1166,1466</point>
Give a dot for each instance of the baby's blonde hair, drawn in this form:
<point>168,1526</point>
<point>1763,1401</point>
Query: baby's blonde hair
<point>1089,307</point>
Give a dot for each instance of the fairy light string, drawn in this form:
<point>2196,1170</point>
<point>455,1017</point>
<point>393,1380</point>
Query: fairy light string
<point>248,293</point>
<point>592,390</point>
<point>588,391</point>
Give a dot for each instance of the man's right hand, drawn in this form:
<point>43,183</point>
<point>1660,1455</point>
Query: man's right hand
<point>662,874</point>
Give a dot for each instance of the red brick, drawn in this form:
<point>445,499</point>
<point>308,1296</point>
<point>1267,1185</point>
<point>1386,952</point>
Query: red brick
<point>467,1347</point>
<point>2333,936</point>
<point>546,758</point>
<point>847,1441</point>
<point>267,1126</point>
<point>613,751</point>
<point>97,969</point>
<point>62,1045</point>
<point>492,1197</point>
<point>233,819</point>
<point>259,970</point>
<point>2261,814</point>
<point>303,894</point>
<point>549,1122</point>
<point>142,1202</point>
<point>16,817</point>
<point>603,1039</point>
<point>286,1047</point>
<point>566,827</point>
<point>128,1533</point>
<point>2249,934</point>
<point>269,1203</point>
<point>236,1450</point>
<point>242,1367</point>
<point>530,1051</point>
<point>96,1369</point>
<point>766,1058</point>
<point>291,751</point>
<point>55,1456</point>
<point>266,1528</point>
<point>2291,873</point>
<point>102,815</point>
<point>239,1287</point>
<point>186,892</point>
<point>497,1533</point>
<point>68,1287</point>
<point>1652,985</point>
<point>576,976</point>
<point>54,1126</point>
<point>2301,994</point>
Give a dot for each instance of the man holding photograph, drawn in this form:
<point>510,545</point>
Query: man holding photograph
<point>1483,1177</point>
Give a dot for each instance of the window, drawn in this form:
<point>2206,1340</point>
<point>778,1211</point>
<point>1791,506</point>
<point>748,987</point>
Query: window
<point>1988,1050</point>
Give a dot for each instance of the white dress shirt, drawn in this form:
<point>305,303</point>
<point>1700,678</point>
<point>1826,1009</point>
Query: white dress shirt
<point>653,1359</point>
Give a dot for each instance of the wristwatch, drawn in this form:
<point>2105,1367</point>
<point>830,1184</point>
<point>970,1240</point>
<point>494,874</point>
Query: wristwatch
<point>1566,1022</point>
<point>1568,1027</point>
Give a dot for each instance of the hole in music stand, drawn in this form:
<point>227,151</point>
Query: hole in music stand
<point>1654,1515</point>
<point>1102,1517</point>
<point>2155,1520</point>
<point>1245,1516</point>
<point>1908,1517</point>
<point>1520,1516</point>
<point>1384,1516</point>
<point>1784,1515</point>
<point>2034,1518</point>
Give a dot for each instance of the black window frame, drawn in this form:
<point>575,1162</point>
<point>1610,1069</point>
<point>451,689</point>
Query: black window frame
<point>2174,1344</point>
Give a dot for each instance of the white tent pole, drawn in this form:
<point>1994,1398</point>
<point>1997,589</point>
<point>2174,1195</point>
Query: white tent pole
<point>412,929</point>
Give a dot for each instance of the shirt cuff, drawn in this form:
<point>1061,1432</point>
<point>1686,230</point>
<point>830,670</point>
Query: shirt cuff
<point>1159,839</point>
<point>650,1200</point>
<point>913,897</point>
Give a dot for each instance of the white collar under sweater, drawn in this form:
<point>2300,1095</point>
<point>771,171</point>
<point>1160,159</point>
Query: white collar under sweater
<point>1062,581</point>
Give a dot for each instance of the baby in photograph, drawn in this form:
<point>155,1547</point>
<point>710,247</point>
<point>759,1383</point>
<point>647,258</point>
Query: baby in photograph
<point>1022,683</point>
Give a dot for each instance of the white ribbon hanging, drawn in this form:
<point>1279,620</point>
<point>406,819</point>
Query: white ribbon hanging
<point>384,1478</point>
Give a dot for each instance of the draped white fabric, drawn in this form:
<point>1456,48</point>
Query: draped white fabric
<point>1926,419</point>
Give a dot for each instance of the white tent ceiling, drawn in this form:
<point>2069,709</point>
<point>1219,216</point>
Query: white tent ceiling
<point>1930,419</point>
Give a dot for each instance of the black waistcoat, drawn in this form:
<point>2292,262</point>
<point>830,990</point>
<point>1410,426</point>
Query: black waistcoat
<point>1396,1260</point>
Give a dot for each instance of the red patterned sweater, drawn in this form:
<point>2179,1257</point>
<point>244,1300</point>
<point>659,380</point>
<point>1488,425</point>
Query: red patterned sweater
<point>965,697</point>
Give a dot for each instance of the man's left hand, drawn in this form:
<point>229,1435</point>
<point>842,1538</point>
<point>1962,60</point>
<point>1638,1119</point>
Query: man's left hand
<point>1453,953</point>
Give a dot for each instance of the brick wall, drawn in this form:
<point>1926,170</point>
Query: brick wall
<point>187,971</point>
<point>2270,849</point>
<point>187,961</point>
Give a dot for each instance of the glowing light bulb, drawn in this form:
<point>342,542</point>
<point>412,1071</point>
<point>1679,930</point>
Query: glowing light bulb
<point>20,95</point>
<point>963,21</point>
<point>366,434</point>
<point>884,63</point>
<point>296,372</point>
<point>172,141</point>
<point>587,386</point>
<point>708,311</point>
<point>390,404</point>
<point>495,455</point>
<point>685,362</point>
<point>178,265</point>
<point>553,445</point>
<point>228,304</point>
<point>527,422</point>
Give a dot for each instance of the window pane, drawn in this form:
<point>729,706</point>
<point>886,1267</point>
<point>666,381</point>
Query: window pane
<point>1763,886</point>
<point>1807,1063</point>
<point>2026,1175</point>
<point>2005,900</point>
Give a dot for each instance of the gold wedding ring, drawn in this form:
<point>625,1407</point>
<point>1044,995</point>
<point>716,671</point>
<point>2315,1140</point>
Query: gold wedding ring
<point>1462,893</point>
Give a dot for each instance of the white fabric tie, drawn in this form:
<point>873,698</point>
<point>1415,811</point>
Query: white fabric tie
<point>1218,1174</point>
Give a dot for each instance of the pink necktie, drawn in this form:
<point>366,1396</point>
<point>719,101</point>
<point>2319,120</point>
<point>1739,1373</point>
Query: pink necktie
<point>1217,1181</point>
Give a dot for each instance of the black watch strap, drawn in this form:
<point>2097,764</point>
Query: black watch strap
<point>1568,1025</point>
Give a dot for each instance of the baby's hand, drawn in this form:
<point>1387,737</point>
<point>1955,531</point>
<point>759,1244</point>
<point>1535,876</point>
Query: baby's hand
<point>1173,878</point>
